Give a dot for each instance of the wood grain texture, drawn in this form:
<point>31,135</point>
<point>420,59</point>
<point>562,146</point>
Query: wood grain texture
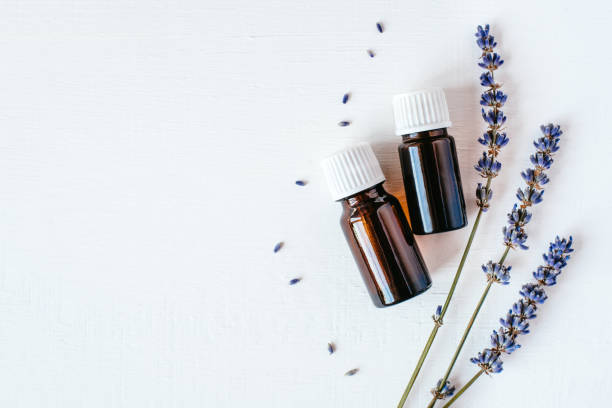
<point>148,156</point>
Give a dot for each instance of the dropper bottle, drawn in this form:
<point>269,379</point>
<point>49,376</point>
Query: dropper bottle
<point>375,227</point>
<point>428,157</point>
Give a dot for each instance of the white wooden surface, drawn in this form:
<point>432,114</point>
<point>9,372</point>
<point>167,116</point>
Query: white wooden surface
<point>148,155</point>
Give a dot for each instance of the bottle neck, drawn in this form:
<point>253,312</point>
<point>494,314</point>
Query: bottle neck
<point>372,193</point>
<point>424,134</point>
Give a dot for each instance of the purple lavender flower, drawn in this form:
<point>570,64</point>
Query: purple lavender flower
<point>523,309</point>
<point>483,196</point>
<point>529,196</point>
<point>519,217</point>
<point>497,273</point>
<point>491,61</point>
<point>515,237</point>
<point>488,361</point>
<point>515,323</point>
<point>494,119</point>
<point>437,316</point>
<point>493,99</point>
<point>443,391</point>
<point>533,293</point>
<point>487,166</point>
<point>486,79</point>
<point>503,343</point>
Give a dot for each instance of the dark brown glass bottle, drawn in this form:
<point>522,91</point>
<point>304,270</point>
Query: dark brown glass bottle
<point>376,228</point>
<point>383,247</point>
<point>430,168</point>
<point>432,182</point>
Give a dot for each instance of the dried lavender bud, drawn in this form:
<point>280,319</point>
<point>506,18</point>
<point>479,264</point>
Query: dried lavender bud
<point>380,27</point>
<point>331,347</point>
<point>294,281</point>
<point>278,246</point>
<point>300,183</point>
<point>346,97</point>
<point>351,372</point>
<point>371,53</point>
<point>344,123</point>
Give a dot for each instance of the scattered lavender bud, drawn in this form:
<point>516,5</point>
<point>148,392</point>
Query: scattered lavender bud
<point>346,97</point>
<point>294,281</point>
<point>278,246</point>
<point>344,123</point>
<point>351,372</point>
<point>300,183</point>
<point>380,27</point>
<point>371,53</point>
<point>331,347</point>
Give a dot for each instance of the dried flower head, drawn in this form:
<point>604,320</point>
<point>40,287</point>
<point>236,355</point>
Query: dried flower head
<point>483,196</point>
<point>331,347</point>
<point>497,273</point>
<point>488,361</point>
<point>437,316</point>
<point>503,343</point>
<point>443,391</point>
<point>487,166</point>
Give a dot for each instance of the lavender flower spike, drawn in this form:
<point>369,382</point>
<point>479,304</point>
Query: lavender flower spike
<point>533,193</point>
<point>515,323</point>
<point>492,100</point>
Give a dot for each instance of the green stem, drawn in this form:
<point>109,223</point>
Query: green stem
<point>462,390</point>
<point>467,332</point>
<point>434,331</point>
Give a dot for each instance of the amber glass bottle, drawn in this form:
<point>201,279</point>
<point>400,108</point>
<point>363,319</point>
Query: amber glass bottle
<point>375,227</point>
<point>428,157</point>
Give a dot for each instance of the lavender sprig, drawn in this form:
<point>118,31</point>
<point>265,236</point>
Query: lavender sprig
<point>492,99</point>
<point>516,321</point>
<point>514,233</point>
<point>535,178</point>
<point>494,138</point>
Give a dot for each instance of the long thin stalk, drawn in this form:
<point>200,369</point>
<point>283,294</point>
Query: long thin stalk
<point>434,331</point>
<point>462,390</point>
<point>466,332</point>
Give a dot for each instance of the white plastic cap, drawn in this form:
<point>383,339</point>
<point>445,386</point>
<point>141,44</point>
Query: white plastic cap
<point>419,111</point>
<point>352,170</point>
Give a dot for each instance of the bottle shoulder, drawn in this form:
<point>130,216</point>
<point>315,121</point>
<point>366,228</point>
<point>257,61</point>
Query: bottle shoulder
<point>426,140</point>
<point>368,208</point>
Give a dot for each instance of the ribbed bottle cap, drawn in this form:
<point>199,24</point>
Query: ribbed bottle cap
<point>352,170</point>
<point>419,111</point>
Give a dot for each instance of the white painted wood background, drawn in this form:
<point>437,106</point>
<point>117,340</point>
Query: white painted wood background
<point>148,155</point>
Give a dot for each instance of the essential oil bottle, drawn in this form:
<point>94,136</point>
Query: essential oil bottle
<point>375,227</point>
<point>429,162</point>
